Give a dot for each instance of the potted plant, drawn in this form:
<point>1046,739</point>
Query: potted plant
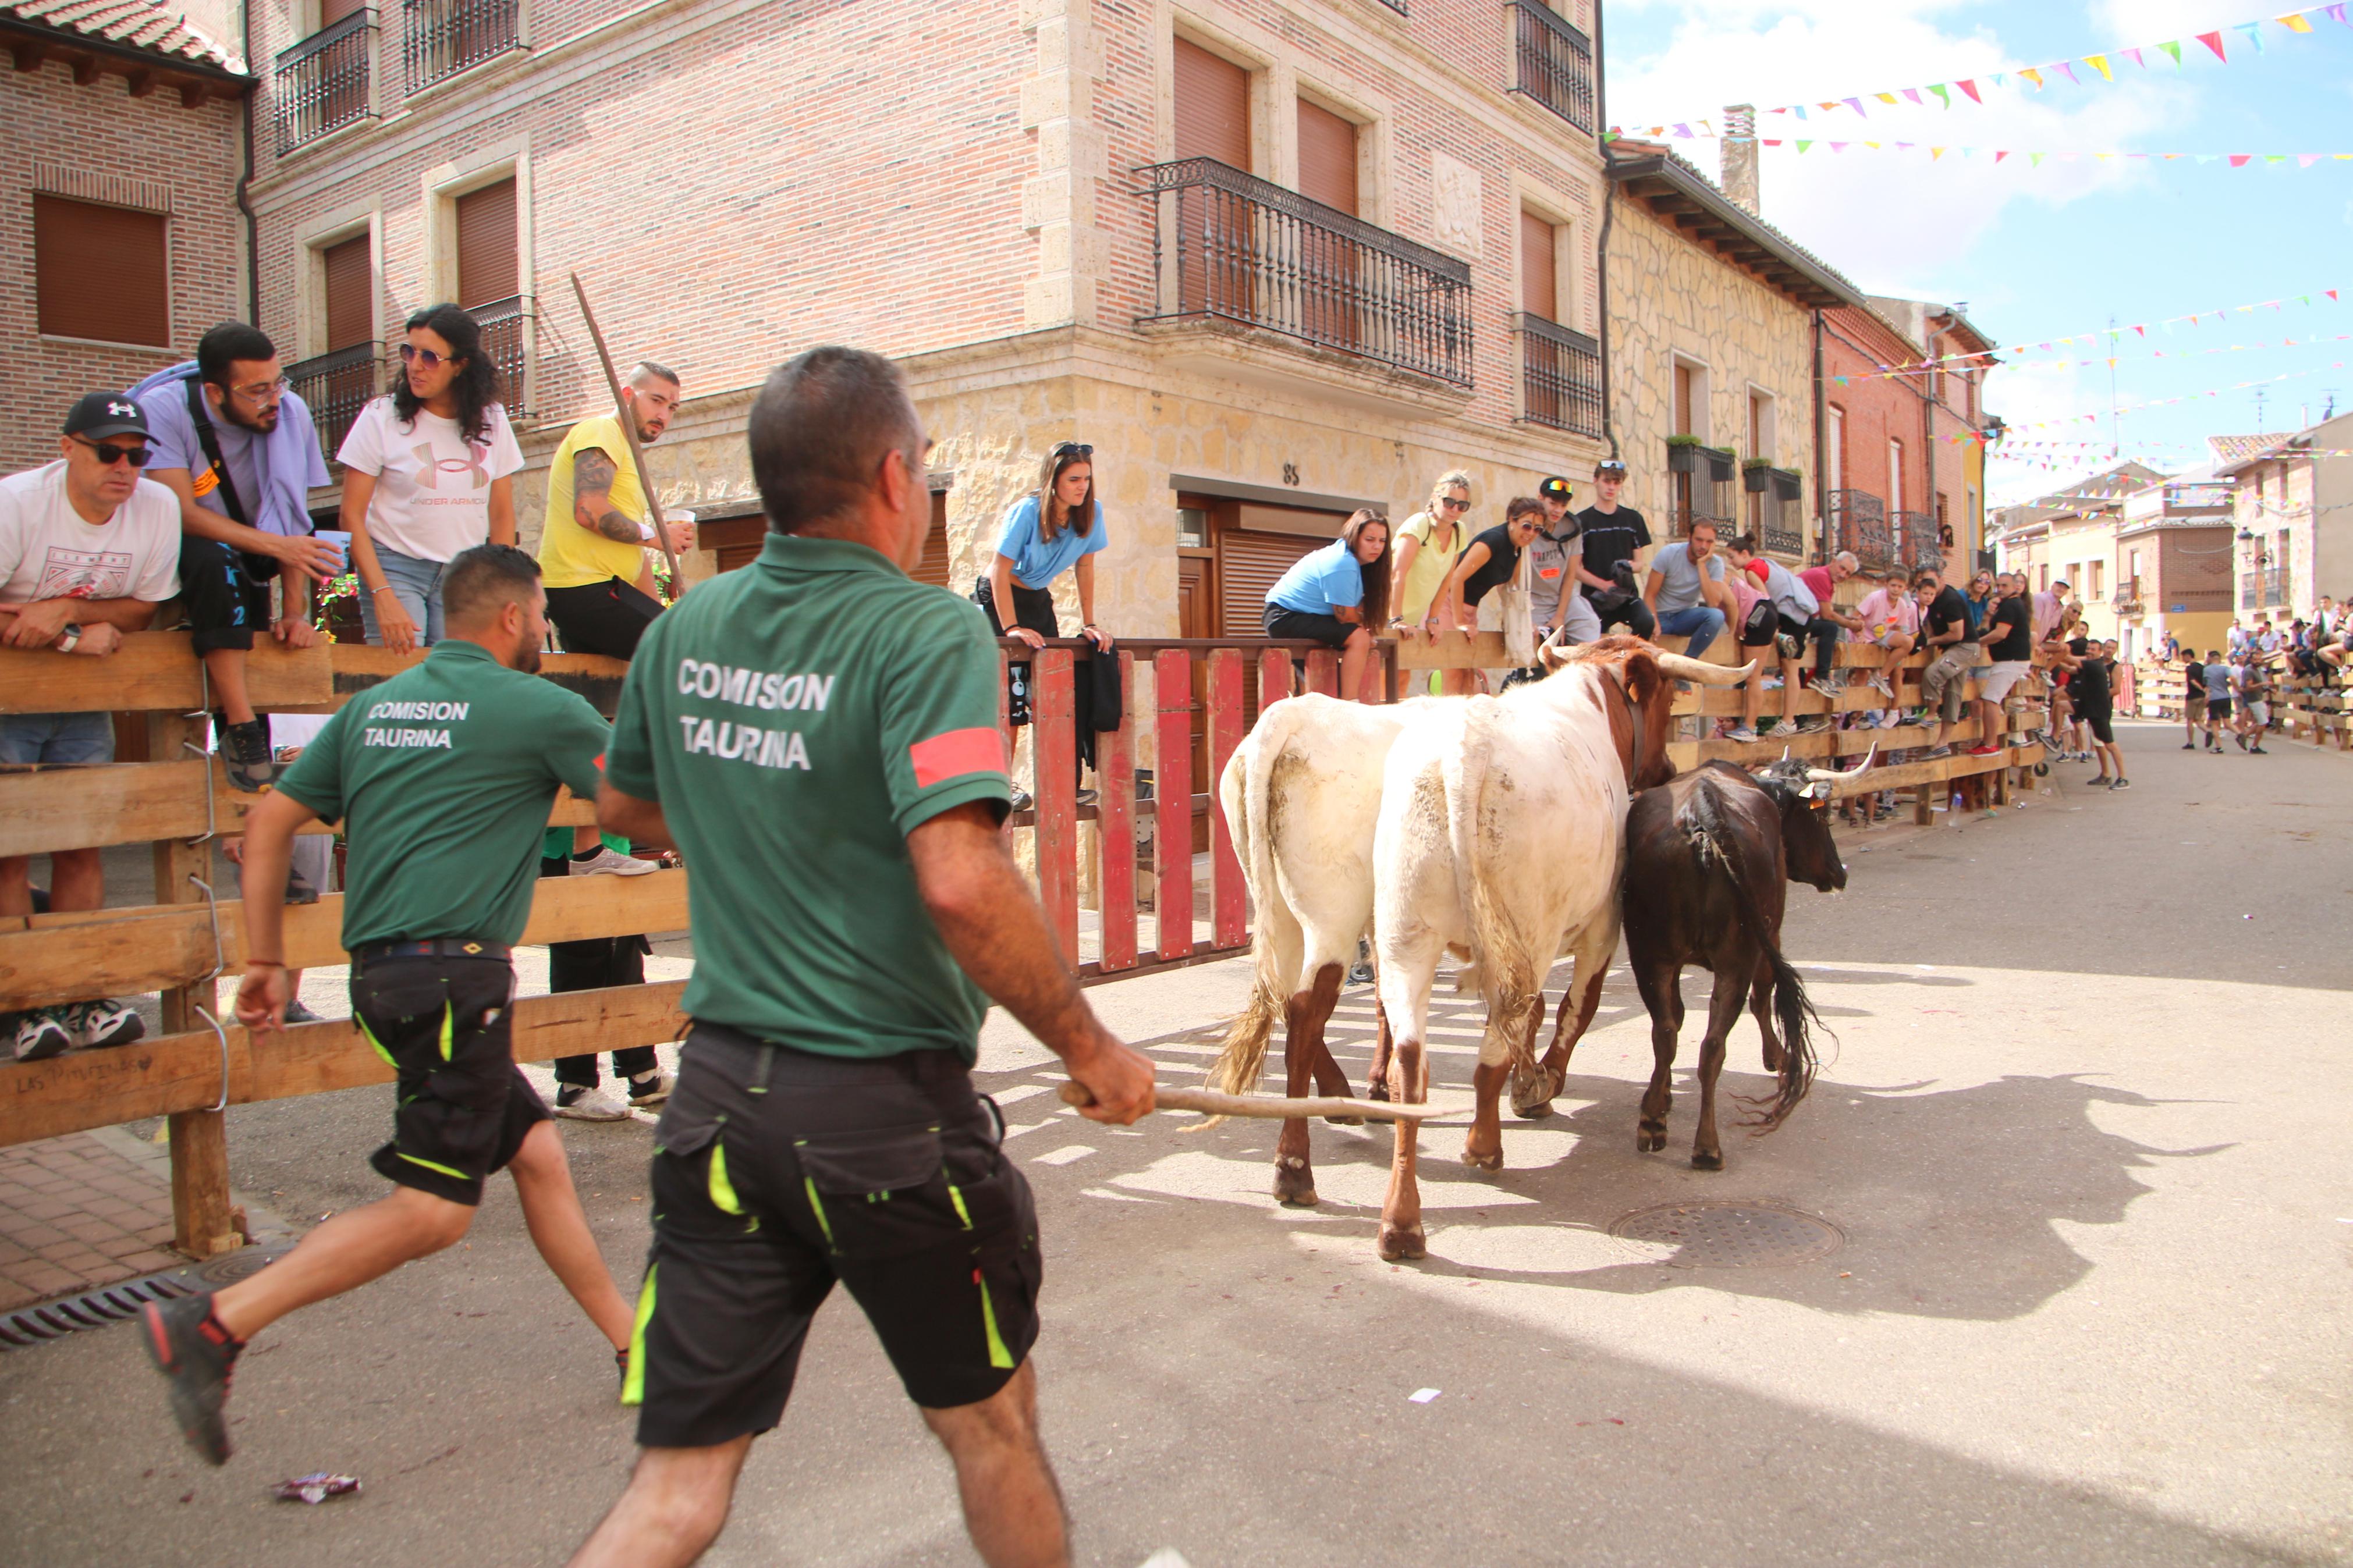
<point>1682,454</point>
<point>1755,475</point>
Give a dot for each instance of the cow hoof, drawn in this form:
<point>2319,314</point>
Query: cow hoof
<point>1403,1246</point>
<point>1479,1159</point>
<point>1707,1159</point>
<point>1649,1139</point>
<point>1378,1089</point>
<point>1344,1121</point>
<point>1535,1112</point>
<point>1294,1183</point>
<point>1772,1061</point>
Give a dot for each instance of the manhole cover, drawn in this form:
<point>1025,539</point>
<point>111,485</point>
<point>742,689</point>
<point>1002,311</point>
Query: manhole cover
<point>1730,1234</point>
<point>243,1264</point>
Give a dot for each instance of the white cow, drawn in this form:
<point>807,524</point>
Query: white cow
<point>1502,831</point>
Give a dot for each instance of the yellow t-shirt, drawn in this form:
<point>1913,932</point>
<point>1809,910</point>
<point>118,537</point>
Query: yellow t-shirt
<point>570,556</point>
<point>1440,544</point>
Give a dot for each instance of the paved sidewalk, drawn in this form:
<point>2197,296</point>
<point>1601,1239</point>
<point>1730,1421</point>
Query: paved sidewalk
<point>77,1214</point>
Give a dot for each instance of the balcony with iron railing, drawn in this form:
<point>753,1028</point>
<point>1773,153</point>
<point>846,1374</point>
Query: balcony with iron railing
<point>1230,247</point>
<point>1783,532</point>
<point>443,37</point>
<point>2126,599</point>
<point>324,82</point>
<point>2264,589</point>
<point>1553,61</point>
<point>1857,521</point>
<point>1913,537</point>
<point>1701,486</point>
<point>1560,376</point>
<point>335,387</point>
<point>502,323</point>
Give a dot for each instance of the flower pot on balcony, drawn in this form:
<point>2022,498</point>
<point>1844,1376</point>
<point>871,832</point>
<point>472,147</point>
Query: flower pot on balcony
<point>1682,459</point>
<point>1756,477</point>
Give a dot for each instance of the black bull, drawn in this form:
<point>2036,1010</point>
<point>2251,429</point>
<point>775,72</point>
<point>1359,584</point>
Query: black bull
<point>1708,856</point>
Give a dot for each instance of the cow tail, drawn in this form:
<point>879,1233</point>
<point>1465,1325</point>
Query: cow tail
<point>1716,851</point>
<point>1246,789</point>
<point>1499,950</point>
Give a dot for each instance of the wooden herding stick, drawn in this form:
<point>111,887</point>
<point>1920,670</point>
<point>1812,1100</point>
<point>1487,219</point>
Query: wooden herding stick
<point>1266,1106</point>
<point>629,430</point>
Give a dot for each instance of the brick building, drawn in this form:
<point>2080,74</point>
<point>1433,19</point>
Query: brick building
<point>2292,496</point>
<point>118,220</point>
<point>1900,485</point>
<point>1272,264</point>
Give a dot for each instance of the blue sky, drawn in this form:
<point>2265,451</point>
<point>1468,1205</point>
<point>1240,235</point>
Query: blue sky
<point>2037,253</point>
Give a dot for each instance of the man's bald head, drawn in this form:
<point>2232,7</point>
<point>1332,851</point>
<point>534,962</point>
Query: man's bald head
<point>654,393</point>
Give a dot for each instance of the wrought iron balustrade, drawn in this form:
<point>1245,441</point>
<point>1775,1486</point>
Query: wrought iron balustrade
<point>1857,521</point>
<point>1231,246</point>
<point>1914,537</point>
<point>335,387</point>
<point>446,36</point>
<point>321,84</point>
<point>2264,589</point>
<point>1784,532</point>
<point>1560,376</point>
<point>1554,62</point>
<point>502,321</point>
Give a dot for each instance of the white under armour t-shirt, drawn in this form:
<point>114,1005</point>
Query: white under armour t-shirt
<point>432,493</point>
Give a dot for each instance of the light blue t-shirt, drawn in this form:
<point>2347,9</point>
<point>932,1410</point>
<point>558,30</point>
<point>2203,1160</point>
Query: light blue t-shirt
<point>1679,578</point>
<point>1035,563</point>
<point>274,474</point>
<point>2217,680</point>
<point>1320,582</point>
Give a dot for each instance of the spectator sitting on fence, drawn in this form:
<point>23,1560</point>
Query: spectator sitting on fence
<point>2009,642</point>
<point>1757,627</point>
<point>239,451</point>
<point>428,472</point>
<point>1822,582</point>
<point>1557,554</point>
<point>2050,608</point>
<point>1889,618</point>
<point>1953,645</point>
<point>1802,622</point>
<point>1427,545</point>
<point>1336,595</point>
<point>1615,538</point>
<point>2234,641</point>
<point>88,550</point>
<point>1685,589</point>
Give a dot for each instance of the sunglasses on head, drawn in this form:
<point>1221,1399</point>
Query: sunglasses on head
<point>111,455</point>
<point>1075,449</point>
<point>411,355</point>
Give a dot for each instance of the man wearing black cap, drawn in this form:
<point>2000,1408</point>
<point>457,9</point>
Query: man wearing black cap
<point>88,549</point>
<point>1557,557</point>
<point>1615,538</point>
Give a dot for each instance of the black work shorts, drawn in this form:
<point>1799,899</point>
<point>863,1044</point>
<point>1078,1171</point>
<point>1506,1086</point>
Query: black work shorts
<point>2217,708</point>
<point>1283,622</point>
<point>777,1172</point>
<point>2101,722</point>
<point>465,1107</point>
<point>225,592</point>
<point>605,618</point>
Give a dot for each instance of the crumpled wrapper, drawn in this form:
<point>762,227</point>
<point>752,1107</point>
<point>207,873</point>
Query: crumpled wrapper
<point>315,1488</point>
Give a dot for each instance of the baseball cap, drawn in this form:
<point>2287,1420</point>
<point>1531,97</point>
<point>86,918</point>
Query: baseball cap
<point>1555,488</point>
<point>103,414</point>
<point>1607,466</point>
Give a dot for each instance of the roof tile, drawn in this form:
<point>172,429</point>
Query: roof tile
<point>136,23</point>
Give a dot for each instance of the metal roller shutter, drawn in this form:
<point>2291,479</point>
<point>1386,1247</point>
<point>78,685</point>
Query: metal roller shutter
<point>101,272</point>
<point>350,321</point>
<point>1212,106</point>
<point>1249,563</point>
<point>1539,296</point>
<point>488,267</point>
<point>1327,158</point>
<point>934,567</point>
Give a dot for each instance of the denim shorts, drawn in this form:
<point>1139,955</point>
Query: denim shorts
<point>57,738</point>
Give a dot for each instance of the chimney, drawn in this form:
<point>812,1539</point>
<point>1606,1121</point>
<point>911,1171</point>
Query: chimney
<point>1739,154</point>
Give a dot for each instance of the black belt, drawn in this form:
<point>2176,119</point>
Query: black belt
<point>433,947</point>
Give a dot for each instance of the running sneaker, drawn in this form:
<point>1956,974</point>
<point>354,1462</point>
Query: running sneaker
<point>650,1089</point>
<point>581,1103</point>
<point>100,1024</point>
<point>1985,751</point>
<point>298,1014</point>
<point>2240,739</point>
<point>246,756</point>
<point>2121,783</point>
<point>610,862</point>
<point>1740,732</point>
<point>2257,750</point>
<point>189,1347</point>
<point>2188,745</point>
<point>1878,682</point>
<point>1934,752</point>
<point>41,1034</point>
<point>1022,802</point>
<point>1831,685</point>
<point>299,889</point>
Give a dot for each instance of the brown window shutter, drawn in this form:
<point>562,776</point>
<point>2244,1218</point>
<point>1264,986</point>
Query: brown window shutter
<point>1212,106</point>
<point>351,321</point>
<point>1683,400</point>
<point>333,11</point>
<point>934,566</point>
<point>1249,563</point>
<point>1327,158</point>
<point>488,267</point>
<point>101,272</point>
<point>1539,289</point>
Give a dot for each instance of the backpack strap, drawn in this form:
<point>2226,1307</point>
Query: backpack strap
<point>217,470</point>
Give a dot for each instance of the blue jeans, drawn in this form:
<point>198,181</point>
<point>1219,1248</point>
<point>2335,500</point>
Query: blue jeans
<point>417,584</point>
<point>56,739</point>
<point>1700,623</point>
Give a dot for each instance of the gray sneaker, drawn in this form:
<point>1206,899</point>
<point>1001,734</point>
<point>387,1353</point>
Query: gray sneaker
<point>40,1035</point>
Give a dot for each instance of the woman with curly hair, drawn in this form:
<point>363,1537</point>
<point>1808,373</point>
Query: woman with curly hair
<point>427,471</point>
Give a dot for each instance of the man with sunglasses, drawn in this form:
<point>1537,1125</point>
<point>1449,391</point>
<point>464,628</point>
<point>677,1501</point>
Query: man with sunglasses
<point>88,550</point>
<point>239,451</point>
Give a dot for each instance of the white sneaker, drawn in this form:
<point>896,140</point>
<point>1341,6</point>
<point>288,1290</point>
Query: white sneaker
<point>611,862</point>
<point>95,1026</point>
<point>650,1089</point>
<point>40,1035</point>
<point>589,1105</point>
<point>1740,732</point>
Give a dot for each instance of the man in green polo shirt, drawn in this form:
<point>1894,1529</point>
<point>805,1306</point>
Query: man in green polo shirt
<point>818,734</point>
<point>444,776</point>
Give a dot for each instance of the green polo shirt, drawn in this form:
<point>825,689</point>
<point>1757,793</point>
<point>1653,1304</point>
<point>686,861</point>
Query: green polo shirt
<point>443,776</point>
<point>796,721</point>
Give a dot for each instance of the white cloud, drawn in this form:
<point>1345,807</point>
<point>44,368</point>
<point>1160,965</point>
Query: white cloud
<point>1893,222</point>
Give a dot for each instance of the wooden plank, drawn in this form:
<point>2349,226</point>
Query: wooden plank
<point>202,1223</point>
<point>154,670</point>
<point>1055,743</point>
<point>168,1075</point>
<point>1324,672</point>
<point>1172,800</point>
<point>1228,898</point>
<point>123,952</point>
<point>1115,827</point>
<point>1273,678</point>
<point>1452,650</point>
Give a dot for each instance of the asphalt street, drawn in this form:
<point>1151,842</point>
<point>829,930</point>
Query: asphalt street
<point>2078,1156</point>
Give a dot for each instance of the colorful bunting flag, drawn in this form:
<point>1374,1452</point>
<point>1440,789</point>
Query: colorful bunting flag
<point>2033,76</point>
<point>2175,51</point>
<point>2215,41</point>
<point>2254,31</point>
<point>1944,95</point>
<point>2100,64</point>
<point>1969,86</point>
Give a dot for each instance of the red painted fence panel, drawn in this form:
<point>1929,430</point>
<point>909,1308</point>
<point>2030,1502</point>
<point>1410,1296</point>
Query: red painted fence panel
<point>1229,897</point>
<point>1115,829</point>
<point>1055,785</point>
<point>1172,793</point>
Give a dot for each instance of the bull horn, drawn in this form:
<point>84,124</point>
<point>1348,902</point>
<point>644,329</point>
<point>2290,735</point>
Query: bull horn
<point>1831,776</point>
<point>1707,674</point>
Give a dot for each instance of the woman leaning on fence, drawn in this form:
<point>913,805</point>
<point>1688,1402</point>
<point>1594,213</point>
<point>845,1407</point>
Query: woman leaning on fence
<point>428,472</point>
<point>1336,594</point>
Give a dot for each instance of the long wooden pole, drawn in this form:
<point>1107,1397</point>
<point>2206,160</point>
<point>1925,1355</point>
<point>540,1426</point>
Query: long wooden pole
<point>628,418</point>
<point>1272,1107</point>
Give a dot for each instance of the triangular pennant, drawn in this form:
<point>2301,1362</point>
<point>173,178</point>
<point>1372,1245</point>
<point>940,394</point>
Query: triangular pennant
<point>2103,157</point>
<point>2100,64</point>
<point>2141,330</point>
<point>1884,97</point>
<point>1912,93</point>
<point>2254,31</point>
<point>2069,69</point>
<point>1838,146</point>
<point>2035,159</point>
<point>1801,110</point>
<point>2294,22</point>
<point>1768,142</point>
<point>1683,132</point>
<point>1935,154</point>
<point>2306,160</point>
<point>2238,160</point>
<point>2000,78</point>
<point>1969,86</point>
<point>2032,75</point>
<point>2274,157</point>
<point>1803,145</point>
<point>2337,13</point>
<point>1943,94</point>
<point>1856,104</point>
<point>2331,293</point>
<point>2213,41</point>
<point>2134,53</point>
<point>2175,51</point>
<point>1872,145</point>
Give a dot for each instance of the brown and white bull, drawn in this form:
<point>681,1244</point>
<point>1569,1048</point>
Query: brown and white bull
<point>1501,833</point>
